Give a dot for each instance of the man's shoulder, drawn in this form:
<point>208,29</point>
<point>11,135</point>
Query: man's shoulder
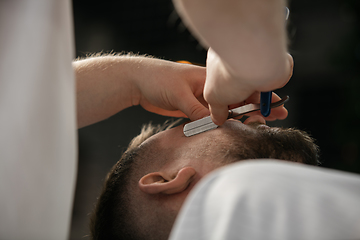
<point>285,200</point>
<point>277,170</point>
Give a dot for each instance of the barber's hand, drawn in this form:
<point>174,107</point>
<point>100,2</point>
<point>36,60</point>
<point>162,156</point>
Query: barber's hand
<point>223,91</point>
<point>171,89</point>
<point>277,113</point>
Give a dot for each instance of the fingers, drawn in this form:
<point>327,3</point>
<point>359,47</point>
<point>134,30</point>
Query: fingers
<point>256,119</point>
<point>192,107</point>
<point>291,61</point>
<point>291,69</point>
<point>161,111</point>
<point>219,114</point>
<point>276,113</point>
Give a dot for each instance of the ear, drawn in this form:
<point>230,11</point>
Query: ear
<point>156,182</point>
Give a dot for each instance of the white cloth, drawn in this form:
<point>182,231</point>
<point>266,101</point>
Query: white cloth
<point>267,199</point>
<point>37,119</point>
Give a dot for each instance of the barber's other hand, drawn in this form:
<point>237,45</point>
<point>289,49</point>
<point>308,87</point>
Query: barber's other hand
<point>223,90</point>
<point>170,89</point>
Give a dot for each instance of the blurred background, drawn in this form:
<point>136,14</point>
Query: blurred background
<point>324,90</point>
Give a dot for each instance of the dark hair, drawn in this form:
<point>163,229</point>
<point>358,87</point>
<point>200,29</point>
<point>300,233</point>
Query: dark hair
<point>112,218</point>
<point>109,219</point>
<point>288,144</point>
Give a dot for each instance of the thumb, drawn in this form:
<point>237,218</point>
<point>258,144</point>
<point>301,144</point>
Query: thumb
<point>191,106</point>
<point>218,113</point>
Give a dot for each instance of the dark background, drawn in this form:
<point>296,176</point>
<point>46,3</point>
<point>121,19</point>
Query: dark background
<point>324,99</point>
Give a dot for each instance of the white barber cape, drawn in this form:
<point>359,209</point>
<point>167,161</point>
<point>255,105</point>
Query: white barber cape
<point>38,147</point>
<point>268,199</point>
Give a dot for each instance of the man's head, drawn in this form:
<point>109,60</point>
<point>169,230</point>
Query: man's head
<point>146,188</point>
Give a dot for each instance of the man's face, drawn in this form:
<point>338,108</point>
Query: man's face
<point>205,152</point>
<point>169,152</point>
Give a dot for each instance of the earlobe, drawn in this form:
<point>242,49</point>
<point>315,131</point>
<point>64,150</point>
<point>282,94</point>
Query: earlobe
<point>156,182</point>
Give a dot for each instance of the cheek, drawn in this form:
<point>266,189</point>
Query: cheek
<point>207,151</point>
<point>211,161</point>
<point>174,202</point>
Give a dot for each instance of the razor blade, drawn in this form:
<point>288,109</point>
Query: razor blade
<point>206,124</point>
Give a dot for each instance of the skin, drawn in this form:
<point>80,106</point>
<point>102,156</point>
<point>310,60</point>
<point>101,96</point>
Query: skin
<point>248,48</point>
<point>247,55</point>
<point>106,85</point>
<point>223,88</point>
<point>109,84</point>
<point>176,164</point>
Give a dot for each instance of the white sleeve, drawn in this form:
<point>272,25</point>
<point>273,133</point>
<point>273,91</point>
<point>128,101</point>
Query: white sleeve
<point>38,149</point>
<point>267,199</point>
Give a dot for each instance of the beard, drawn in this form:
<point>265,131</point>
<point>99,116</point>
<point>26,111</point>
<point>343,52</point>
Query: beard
<point>287,144</point>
